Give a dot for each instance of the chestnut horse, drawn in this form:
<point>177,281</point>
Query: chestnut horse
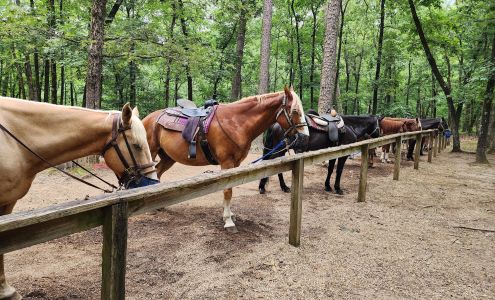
<point>396,125</point>
<point>234,126</point>
<point>60,134</point>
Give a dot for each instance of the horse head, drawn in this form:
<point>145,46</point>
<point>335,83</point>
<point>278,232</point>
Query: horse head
<point>291,114</point>
<point>374,127</point>
<point>127,152</point>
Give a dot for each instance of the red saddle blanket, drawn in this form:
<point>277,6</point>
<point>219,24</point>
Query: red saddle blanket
<point>171,118</point>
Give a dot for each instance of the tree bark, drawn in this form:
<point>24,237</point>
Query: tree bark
<point>37,84</point>
<point>46,89</point>
<point>169,60</point>
<point>239,53</point>
<point>29,78</point>
<point>20,78</point>
<point>265,47</point>
<point>113,11</point>
<point>357,76</point>
<point>328,69</point>
<point>314,12</point>
<point>378,59</point>
<point>186,48</point>
<point>132,79</point>
<point>453,111</point>
<point>53,71</point>
<point>483,142</point>
<point>95,55</point>
<point>298,43</point>
<point>72,103</point>
<point>339,51</point>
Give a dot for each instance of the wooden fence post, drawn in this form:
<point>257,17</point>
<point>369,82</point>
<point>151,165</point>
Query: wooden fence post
<point>435,144</point>
<point>398,157</point>
<point>417,151</point>
<point>114,252</point>
<point>363,176</point>
<point>296,203</point>
<point>430,147</point>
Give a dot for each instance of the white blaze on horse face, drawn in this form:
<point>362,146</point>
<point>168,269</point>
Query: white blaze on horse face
<point>138,136</point>
<point>297,106</point>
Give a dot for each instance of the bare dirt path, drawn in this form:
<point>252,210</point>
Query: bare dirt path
<point>406,241</point>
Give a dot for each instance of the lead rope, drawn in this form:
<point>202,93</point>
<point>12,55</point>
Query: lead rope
<point>61,170</point>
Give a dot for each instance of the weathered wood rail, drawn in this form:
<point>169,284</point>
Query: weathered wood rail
<point>24,229</point>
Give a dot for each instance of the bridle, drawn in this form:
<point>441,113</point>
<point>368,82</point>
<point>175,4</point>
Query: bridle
<point>377,128</point>
<point>132,173</point>
<point>283,110</point>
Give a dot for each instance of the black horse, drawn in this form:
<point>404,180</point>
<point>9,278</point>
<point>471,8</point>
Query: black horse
<point>429,123</point>
<point>356,128</point>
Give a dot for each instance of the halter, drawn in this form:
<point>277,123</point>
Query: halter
<point>132,173</point>
<point>377,128</point>
<point>283,110</point>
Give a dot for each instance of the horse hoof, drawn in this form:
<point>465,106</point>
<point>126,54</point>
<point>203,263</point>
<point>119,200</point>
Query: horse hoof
<point>231,229</point>
<point>339,192</point>
<point>286,189</point>
<point>328,189</point>
<point>262,191</point>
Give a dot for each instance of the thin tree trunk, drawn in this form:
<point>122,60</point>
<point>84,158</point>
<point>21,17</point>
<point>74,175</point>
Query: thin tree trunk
<point>328,69</point>
<point>46,89</point>
<point>71,93</point>
<point>186,48</point>
<point>388,75</point>
<point>347,81</point>
<point>408,82</point>
<point>378,59</point>
<point>298,43</point>
<point>265,48</point>
<point>20,78</point>
<point>276,63</point>
<point>357,75</point>
<point>132,79</point>
<point>53,71</point>
<point>113,11</point>
<point>241,37</point>
<point>339,51</point>
<point>314,12</point>
<point>169,60</point>
<point>453,111</point>
<point>29,78</point>
<point>95,54</point>
<point>37,82</point>
<point>483,142</point>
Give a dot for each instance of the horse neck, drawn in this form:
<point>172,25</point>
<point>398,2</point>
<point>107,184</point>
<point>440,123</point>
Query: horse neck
<point>57,133</point>
<point>251,116</point>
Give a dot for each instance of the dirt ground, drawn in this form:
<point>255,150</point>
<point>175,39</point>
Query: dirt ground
<point>407,241</point>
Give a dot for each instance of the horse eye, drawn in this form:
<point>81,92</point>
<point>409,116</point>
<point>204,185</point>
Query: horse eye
<point>138,147</point>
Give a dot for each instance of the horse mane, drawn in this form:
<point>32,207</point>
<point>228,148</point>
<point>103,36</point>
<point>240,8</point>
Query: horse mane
<point>259,98</point>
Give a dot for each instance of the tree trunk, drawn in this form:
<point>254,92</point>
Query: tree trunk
<point>298,43</point>
<point>169,60</point>
<point>347,81</point>
<point>483,142</point>
<point>20,78</point>
<point>132,79</point>
<point>378,59</point>
<point>314,12</point>
<point>46,89</point>
<point>408,82</point>
<point>453,111</point>
<point>328,69</point>
<point>37,86</point>
<point>95,54</point>
<point>186,48</point>
<point>29,77</point>
<point>265,48</point>
<point>72,103</point>
<point>53,71</point>
<point>239,53</point>
<point>339,51</point>
<point>357,75</point>
<point>275,87</point>
<point>113,11</point>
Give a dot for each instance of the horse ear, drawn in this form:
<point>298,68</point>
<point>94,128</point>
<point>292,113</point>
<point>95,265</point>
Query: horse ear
<point>135,112</point>
<point>287,92</point>
<point>126,115</point>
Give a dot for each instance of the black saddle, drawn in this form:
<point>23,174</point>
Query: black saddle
<point>189,109</point>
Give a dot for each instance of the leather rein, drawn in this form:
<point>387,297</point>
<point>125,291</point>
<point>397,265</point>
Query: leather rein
<point>131,173</point>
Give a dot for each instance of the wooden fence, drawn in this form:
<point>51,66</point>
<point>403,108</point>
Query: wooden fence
<point>24,229</point>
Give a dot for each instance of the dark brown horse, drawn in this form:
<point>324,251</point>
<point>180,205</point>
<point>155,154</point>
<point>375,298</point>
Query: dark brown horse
<point>232,129</point>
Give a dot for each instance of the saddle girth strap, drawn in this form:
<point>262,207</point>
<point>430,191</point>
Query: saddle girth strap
<point>203,142</point>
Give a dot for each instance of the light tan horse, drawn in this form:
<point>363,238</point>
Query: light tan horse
<point>233,128</point>
<point>60,134</point>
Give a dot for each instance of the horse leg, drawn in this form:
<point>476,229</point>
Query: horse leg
<point>165,163</point>
<point>261,186</point>
<point>340,169</point>
<point>7,292</point>
<point>331,164</point>
<point>228,216</point>
<point>283,186</point>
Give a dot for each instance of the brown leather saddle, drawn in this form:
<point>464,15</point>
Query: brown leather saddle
<point>327,123</point>
<point>193,122</point>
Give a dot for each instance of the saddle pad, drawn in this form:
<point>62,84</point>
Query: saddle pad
<point>314,125</point>
<point>172,119</point>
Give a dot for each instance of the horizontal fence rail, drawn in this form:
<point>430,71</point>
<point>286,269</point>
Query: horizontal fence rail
<point>27,228</point>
